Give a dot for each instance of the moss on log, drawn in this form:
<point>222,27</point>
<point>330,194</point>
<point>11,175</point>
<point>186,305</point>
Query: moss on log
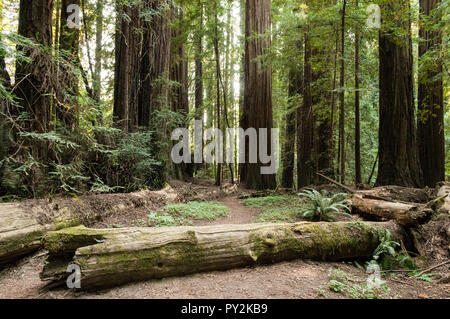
<point>116,256</point>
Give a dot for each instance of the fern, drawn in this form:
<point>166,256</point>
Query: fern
<point>324,207</point>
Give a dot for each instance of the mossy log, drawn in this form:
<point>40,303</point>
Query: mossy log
<point>112,257</point>
<point>409,215</point>
<point>22,225</point>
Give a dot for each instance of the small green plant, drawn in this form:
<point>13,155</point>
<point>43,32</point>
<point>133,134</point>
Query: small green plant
<point>324,207</point>
<point>185,214</point>
<point>340,283</point>
<point>385,253</point>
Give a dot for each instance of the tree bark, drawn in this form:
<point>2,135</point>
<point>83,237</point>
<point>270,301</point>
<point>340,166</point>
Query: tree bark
<point>408,215</point>
<point>398,152</point>
<point>258,85</point>
<point>122,71</point>
<point>342,100</point>
<point>358,176</point>
<point>113,257</point>
<point>33,80</point>
<point>97,87</point>
<point>5,136</point>
<point>179,93</point>
<point>305,142</point>
<point>295,89</point>
<point>69,45</point>
<point>430,125</point>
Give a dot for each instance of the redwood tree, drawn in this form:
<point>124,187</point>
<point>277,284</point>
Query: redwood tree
<point>258,84</point>
<point>305,140</point>
<point>431,138</point>
<point>34,79</point>
<point>398,152</point>
<point>69,44</point>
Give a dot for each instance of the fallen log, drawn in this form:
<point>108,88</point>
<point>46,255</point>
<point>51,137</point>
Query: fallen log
<point>112,257</point>
<point>22,225</point>
<point>409,215</point>
<point>444,192</point>
<point>387,193</point>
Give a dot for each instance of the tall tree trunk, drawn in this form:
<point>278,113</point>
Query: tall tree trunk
<point>258,84</point>
<point>357,111</point>
<point>342,100</point>
<point>69,45</point>
<point>5,139</point>
<point>430,125</point>
<point>122,71</point>
<point>34,79</point>
<point>135,67</point>
<point>179,93</point>
<point>218,96</point>
<point>399,161</point>
<point>161,57</point>
<point>97,87</point>
<point>243,111</point>
<point>199,69</point>
<point>146,60</point>
<point>295,89</point>
<point>305,142</point>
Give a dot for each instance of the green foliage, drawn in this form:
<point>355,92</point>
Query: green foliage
<point>324,207</point>
<point>340,282</point>
<point>285,208</point>
<point>185,214</point>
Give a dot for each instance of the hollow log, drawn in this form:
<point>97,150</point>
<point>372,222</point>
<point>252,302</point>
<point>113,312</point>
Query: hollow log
<point>112,257</point>
<point>22,225</point>
<point>409,215</point>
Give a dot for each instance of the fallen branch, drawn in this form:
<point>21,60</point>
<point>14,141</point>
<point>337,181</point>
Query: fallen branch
<point>133,254</point>
<point>431,269</point>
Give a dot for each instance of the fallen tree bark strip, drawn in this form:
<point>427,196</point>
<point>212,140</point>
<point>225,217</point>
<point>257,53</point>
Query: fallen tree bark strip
<point>22,225</point>
<point>116,256</point>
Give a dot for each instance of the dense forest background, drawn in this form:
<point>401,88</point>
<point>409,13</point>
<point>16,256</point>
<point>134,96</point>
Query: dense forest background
<point>91,109</point>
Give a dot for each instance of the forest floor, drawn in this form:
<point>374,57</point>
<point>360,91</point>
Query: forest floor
<point>287,280</point>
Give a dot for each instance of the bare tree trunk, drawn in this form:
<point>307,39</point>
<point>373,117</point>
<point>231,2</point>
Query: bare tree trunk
<point>122,72</point>
<point>305,143</point>
<point>342,100</point>
<point>218,96</point>
<point>69,45</point>
<point>34,80</point>
<point>179,94</point>
<point>357,111</point>
<point>399,161</point>
<point>258,85</point>
<point>430,125</point>
<point>97,87</point>
<point>146,67</point>
<point>295,89</point>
